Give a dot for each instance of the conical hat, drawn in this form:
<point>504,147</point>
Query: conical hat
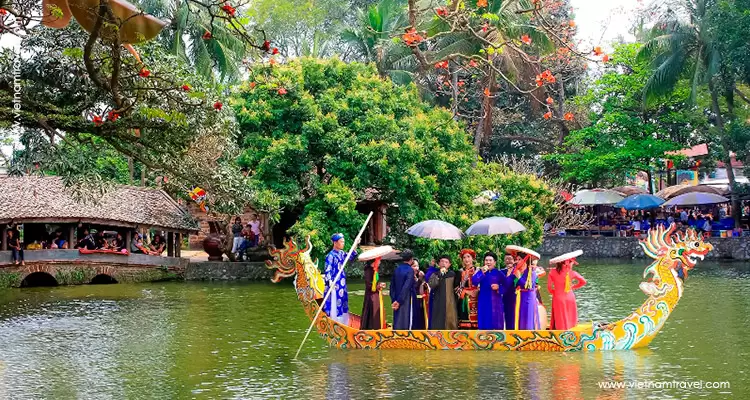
<point>519,249</point>
<point>566,256</point>
<point>375,253</point>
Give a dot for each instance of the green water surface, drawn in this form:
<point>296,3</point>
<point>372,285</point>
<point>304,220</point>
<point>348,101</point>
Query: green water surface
<point>237,340</point>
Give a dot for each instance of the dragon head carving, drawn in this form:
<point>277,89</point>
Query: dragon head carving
<point>672,247</point>
<point>292,260</point>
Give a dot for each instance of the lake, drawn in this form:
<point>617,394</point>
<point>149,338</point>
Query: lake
<point>237,340</point>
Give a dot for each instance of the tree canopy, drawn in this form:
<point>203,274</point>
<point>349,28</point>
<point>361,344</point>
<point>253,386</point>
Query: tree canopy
<point>321,134</point>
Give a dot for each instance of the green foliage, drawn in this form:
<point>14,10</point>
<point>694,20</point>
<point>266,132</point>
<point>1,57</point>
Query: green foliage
<point>340,130</point>
<point>75,276</point>
<point>623,138</point>
<point>9,279</point>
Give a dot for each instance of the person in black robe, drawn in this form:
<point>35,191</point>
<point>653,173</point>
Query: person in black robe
<point>403,295</point>
<point>422,290</point>
<point>371,307</point>
<point>443,285</point>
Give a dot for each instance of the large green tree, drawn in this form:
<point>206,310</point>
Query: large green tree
<point>623,137</point>
<point>319,134</point>
<point>686,45</point>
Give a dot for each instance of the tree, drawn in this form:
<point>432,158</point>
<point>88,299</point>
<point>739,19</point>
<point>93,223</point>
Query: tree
<point>689,47</point>
<point>319,133</point>
<point>623,137</point>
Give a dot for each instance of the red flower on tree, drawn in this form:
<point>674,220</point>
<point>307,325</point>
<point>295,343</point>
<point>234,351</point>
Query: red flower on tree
<point>275,51</point>
<point>252,85</point>
<point>218,106</point>
<point>112,116</point>
<point>272,62</point>
<point>461,83</point>
<point>442,64</point>
<point>472,64</point>
<point>97,120</point>
<point>186,88</point>
<point>481,3</point>
<point>229,10</point>
<point>144,73</point>
<point>606,58</point>
<point>526,39</point>
<point>550,101</point>
<point>545,77</point>
<point>282,91</point>
<point>487,92</point>
<point>548,115</point>
<point>411,37</point>
<point>568,116</point>
<point>484,27</point>
<point>207,35</point>
<point>266,46</point>
<point>572,24</point>
<point>598,51</point>
<point>441,11</point>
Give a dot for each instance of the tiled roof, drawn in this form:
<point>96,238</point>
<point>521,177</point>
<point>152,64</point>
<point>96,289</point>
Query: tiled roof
<point>47,199</point>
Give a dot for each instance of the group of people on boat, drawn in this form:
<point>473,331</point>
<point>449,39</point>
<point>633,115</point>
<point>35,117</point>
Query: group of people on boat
<point>485,297</point>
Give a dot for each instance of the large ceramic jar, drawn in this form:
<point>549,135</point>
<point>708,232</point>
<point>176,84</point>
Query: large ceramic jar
<point>212,246</point>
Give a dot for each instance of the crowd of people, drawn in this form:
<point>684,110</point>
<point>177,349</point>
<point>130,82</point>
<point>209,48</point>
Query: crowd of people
<point>90,239</point>
<point>631,223</point>
<point>485,297</point>
<point>246,237</point>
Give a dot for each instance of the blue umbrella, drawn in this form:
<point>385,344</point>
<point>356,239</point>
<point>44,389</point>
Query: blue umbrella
<point>640,202</point>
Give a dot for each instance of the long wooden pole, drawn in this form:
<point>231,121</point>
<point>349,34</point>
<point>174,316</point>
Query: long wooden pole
<point>328,294</point>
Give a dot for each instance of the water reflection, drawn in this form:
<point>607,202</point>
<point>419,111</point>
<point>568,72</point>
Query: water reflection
<point>236,341</point>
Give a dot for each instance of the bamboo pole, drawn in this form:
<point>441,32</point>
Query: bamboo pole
<point>328,294</point>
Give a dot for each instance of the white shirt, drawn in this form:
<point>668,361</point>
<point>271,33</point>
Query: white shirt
<point>683,216</point>
<point>255,227</point>
<point>636,225</point>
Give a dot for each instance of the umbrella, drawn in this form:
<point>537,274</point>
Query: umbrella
<point>701,189</point>
<point>695,199</point>
<point>640,202</point>
<point>495,226</point>
<point>595,197</point>
<point>629,190</point>
<point>669,192</point>
<point>434,229</point>
<point>386,252</point>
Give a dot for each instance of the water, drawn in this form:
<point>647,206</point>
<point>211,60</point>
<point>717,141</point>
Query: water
<point>200,340</point>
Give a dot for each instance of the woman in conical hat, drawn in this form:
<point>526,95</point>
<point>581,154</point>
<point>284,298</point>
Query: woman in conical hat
<point>373,316</point>
<point>522,258</point>
<point>526,313</point>
<point>561,283</point>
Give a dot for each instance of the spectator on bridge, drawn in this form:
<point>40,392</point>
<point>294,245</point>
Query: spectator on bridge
<point>256,228</point>
<point>59,241</point>
<point>87,242</point>
<point>137,245</point>
<point>15,246</point>
<point>158,245</point>
<point>101,242</point>
<point>118,243</point>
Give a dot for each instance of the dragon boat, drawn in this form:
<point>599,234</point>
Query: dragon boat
<point>671,250</point>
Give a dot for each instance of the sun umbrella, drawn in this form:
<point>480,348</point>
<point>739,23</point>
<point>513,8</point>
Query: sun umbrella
<point>629,190</point>
<point>434,229</point>
<point>696,199</point>
<point>669,192</point>
<point>595,197</point>
<point>640,202</point>
<point>701,189</point>
<point>495,226</point>
<point>377,252</point>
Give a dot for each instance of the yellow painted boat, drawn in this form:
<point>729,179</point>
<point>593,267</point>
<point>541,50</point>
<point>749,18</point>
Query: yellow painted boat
<point>670,250</point>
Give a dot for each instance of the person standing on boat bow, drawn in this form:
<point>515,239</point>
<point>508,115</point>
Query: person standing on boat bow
<point>403,292</point>
<point>444,283</point>
<point>525,279</point>
<point>337,306</point>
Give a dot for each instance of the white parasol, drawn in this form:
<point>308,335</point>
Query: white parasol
<point>566,256</point>
<point>377,252</point>
<point>519,249</point>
